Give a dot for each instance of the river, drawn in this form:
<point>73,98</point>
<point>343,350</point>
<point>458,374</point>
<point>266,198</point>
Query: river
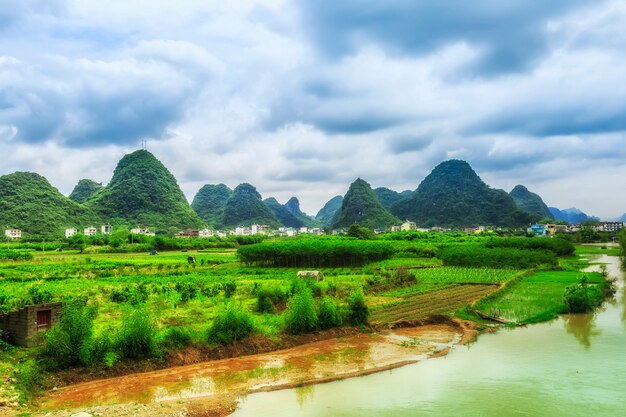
<point>572,366</point>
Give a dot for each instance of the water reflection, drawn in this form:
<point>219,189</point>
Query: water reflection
<point>582,327</point>
<point>304,394</point>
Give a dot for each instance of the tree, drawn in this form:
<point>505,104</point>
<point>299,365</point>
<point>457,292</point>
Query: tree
<point>358,313</point>
<point>359,232</point>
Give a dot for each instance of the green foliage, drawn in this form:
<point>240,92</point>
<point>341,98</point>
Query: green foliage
<point>482,257</point>
<point>293,205</point>
<point>229,288</point>
<point>28,202</point>
<point>230,325</point>
<point>269,297</point>
<point>143,192</point>
<point>560,247</point>
<point>27,380</point>
<point>327,214</point>
<point>622,243</point>
<point>358,312</point>
<point>531,203</point>
<point>283,214</point>
<point>387,197</point>
<point>315,253</point>
<point>70,343</point>
<point>328,313</point>
<point>453,195</point>
<point>300,316</point>
<point>15,255</point>
<point>176,337</point>
<point>245,207</point>
<point>84,190</point>
<point>359,232</point>
<point>210,202</point>
<point>581,297</point>
<point>360,205</point>
<point>137,335</point>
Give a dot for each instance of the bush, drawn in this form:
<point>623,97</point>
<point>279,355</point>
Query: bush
<point>229,288</point>
<point>315,252</point>
<point>70,343</point>
<point>137,336</point>
<point>328,314</point>
<point>176,337</point>
<point>402,277</point>
<point>230,325</point>
<point>269,297</point>
<point>581,298</point>
<point>301,316</point>
<point>358,313</point>
<point>561,247</point>
<point>103,351</point>
<point>477,256</point>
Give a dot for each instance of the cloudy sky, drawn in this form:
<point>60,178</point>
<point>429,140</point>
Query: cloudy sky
<point>300,97</point>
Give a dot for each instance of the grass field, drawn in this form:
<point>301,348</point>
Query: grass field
<point>537,297</point>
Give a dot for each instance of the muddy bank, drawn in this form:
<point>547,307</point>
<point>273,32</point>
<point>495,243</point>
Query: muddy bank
<point>212,388</point>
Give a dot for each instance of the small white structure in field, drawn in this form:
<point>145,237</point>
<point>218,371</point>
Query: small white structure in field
<point>90,231</point>
<point>106,229</point>
<point>70,231</point>
<point>316,275</point>
<point>13,233</point>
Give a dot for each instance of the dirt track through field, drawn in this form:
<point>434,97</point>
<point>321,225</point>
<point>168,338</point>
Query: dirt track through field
<point>439,302</point>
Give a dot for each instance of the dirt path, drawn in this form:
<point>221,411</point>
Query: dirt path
<point>212,388</point>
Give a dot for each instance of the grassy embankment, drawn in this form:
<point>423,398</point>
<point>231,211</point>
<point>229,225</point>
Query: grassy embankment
<point>259,296</point>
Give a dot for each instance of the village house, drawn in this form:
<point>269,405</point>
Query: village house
<point>537,229</point>
<point>90,231</point>
<point>70,231</point>
<point>189,233</point>
<point>407,226</point>
<point>259,229</point>
<point>13,233</point>
<point>205,233</point>
<point>106,229</point>
<point>21,327</point>
<point>610,226</point>
<point>141,231</point>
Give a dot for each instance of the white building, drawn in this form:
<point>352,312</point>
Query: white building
<point>106,229</point>
<point>242,231</point>
<point>611,226</point>
<point>141,231</point>
<point>259,229</point>
<point>205,233</point>
<point>13,233</point>
<point>407,226</point>
<point>304,230</point>
<point>90,231</point>
<point>70,231</point>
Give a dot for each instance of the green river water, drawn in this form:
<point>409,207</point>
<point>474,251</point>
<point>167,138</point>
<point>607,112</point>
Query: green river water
<point>572,366</point>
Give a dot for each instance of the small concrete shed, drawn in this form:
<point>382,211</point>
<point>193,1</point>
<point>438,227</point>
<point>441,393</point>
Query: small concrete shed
<point>20,327</point>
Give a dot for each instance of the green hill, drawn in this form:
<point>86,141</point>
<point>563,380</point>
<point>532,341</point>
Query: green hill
<point>387,197</point>
<point>326,215</point>
<point>28,202</point>
<point>283,214</point>
<point>210,202</point>
<point>245,207</point>
<point>452,195</point>
<point>143,192</point>
<point>530,203</point>
<point>84,190</point>
<point>360,205</point>
<point>293,205</point>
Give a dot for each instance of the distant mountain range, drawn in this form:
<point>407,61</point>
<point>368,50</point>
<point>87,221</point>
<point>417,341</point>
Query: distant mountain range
<point>571,215</point>
<point>143,192</point>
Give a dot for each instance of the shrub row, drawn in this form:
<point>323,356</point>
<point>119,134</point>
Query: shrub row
<point>483,257</point>
<point>560,247</point>
<point>315,253</point>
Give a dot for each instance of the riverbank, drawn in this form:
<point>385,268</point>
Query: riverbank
<point>212,388</point>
